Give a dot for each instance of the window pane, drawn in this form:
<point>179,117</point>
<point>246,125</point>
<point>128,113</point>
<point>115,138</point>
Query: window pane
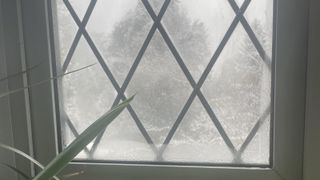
<point>202,77</point>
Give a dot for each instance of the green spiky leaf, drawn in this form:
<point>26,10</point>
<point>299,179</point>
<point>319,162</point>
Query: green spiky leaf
<point>41,82</point>
<point>71,151</point>
<point>21,153</point>
<point>22,174</point>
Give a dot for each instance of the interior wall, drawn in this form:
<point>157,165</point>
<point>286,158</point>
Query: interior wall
<point>312,131</point>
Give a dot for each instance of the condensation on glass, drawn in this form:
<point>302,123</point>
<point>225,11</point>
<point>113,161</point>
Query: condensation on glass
<point>201,70</point>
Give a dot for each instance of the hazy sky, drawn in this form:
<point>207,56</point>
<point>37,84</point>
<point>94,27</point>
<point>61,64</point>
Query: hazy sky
<point>108,12</point>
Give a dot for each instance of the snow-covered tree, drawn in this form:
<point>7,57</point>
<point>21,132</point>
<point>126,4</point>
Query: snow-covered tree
<point>159,81</point>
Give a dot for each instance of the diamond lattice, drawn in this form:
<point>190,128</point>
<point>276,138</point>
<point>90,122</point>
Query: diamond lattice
<point>191,83</point>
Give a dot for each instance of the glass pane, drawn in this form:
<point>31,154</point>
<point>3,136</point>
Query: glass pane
<point>225,120</point>
<point>259,16</point>
<point>197,28</point>
<point>156,5</point>
<point>123,142</point>
<point>258,150</point>
<point>239,2</point>
<point>67,30</point>
<point>119,28</point>
<point>235,87</point>
<point>197,139</point>
<point>87,94</point>
<point>80,6</point>
<point>157,82</point>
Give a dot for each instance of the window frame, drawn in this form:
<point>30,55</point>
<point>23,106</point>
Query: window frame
<point>312,124</point>
<point>290,54</point>
<point>15,119</point>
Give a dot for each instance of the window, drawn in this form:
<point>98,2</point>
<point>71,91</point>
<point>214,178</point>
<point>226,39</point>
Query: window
<point>287,106</point>
<point>201,71</point>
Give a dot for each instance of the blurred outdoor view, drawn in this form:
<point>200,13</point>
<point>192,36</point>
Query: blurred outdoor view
<point>237,91</point>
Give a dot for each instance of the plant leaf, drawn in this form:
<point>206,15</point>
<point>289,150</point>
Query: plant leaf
<point>41,82</point>
<point>60,161</point>
<point>67,176</point>
<point>19,73</point>
<point>22,174</point>
<point>21,153</point>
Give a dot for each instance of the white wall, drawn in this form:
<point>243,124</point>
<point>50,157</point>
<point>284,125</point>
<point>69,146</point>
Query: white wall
<point>312,128</point>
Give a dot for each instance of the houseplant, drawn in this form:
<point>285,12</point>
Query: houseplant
<point>62,159</point>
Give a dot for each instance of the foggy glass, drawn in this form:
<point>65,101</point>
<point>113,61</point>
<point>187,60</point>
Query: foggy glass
<point>237,89</point>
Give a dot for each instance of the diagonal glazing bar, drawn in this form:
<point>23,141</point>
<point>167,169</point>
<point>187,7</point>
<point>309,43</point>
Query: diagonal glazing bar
<point>111,78</point>
<point>143,48</point>
<point>192,82</point>
<point>75,132</point>
<point>252,35</point>
<point>268,62</point>
<point>189,77</point>
<point>76,39</point>
<point>252,133</point>
<point>204,76</point>
<point>137,61</point>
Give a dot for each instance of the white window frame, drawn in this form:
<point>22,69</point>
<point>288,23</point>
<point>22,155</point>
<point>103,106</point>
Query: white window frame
<point>312,124</point>
<point>291,21</point>
<point>15,120</point>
